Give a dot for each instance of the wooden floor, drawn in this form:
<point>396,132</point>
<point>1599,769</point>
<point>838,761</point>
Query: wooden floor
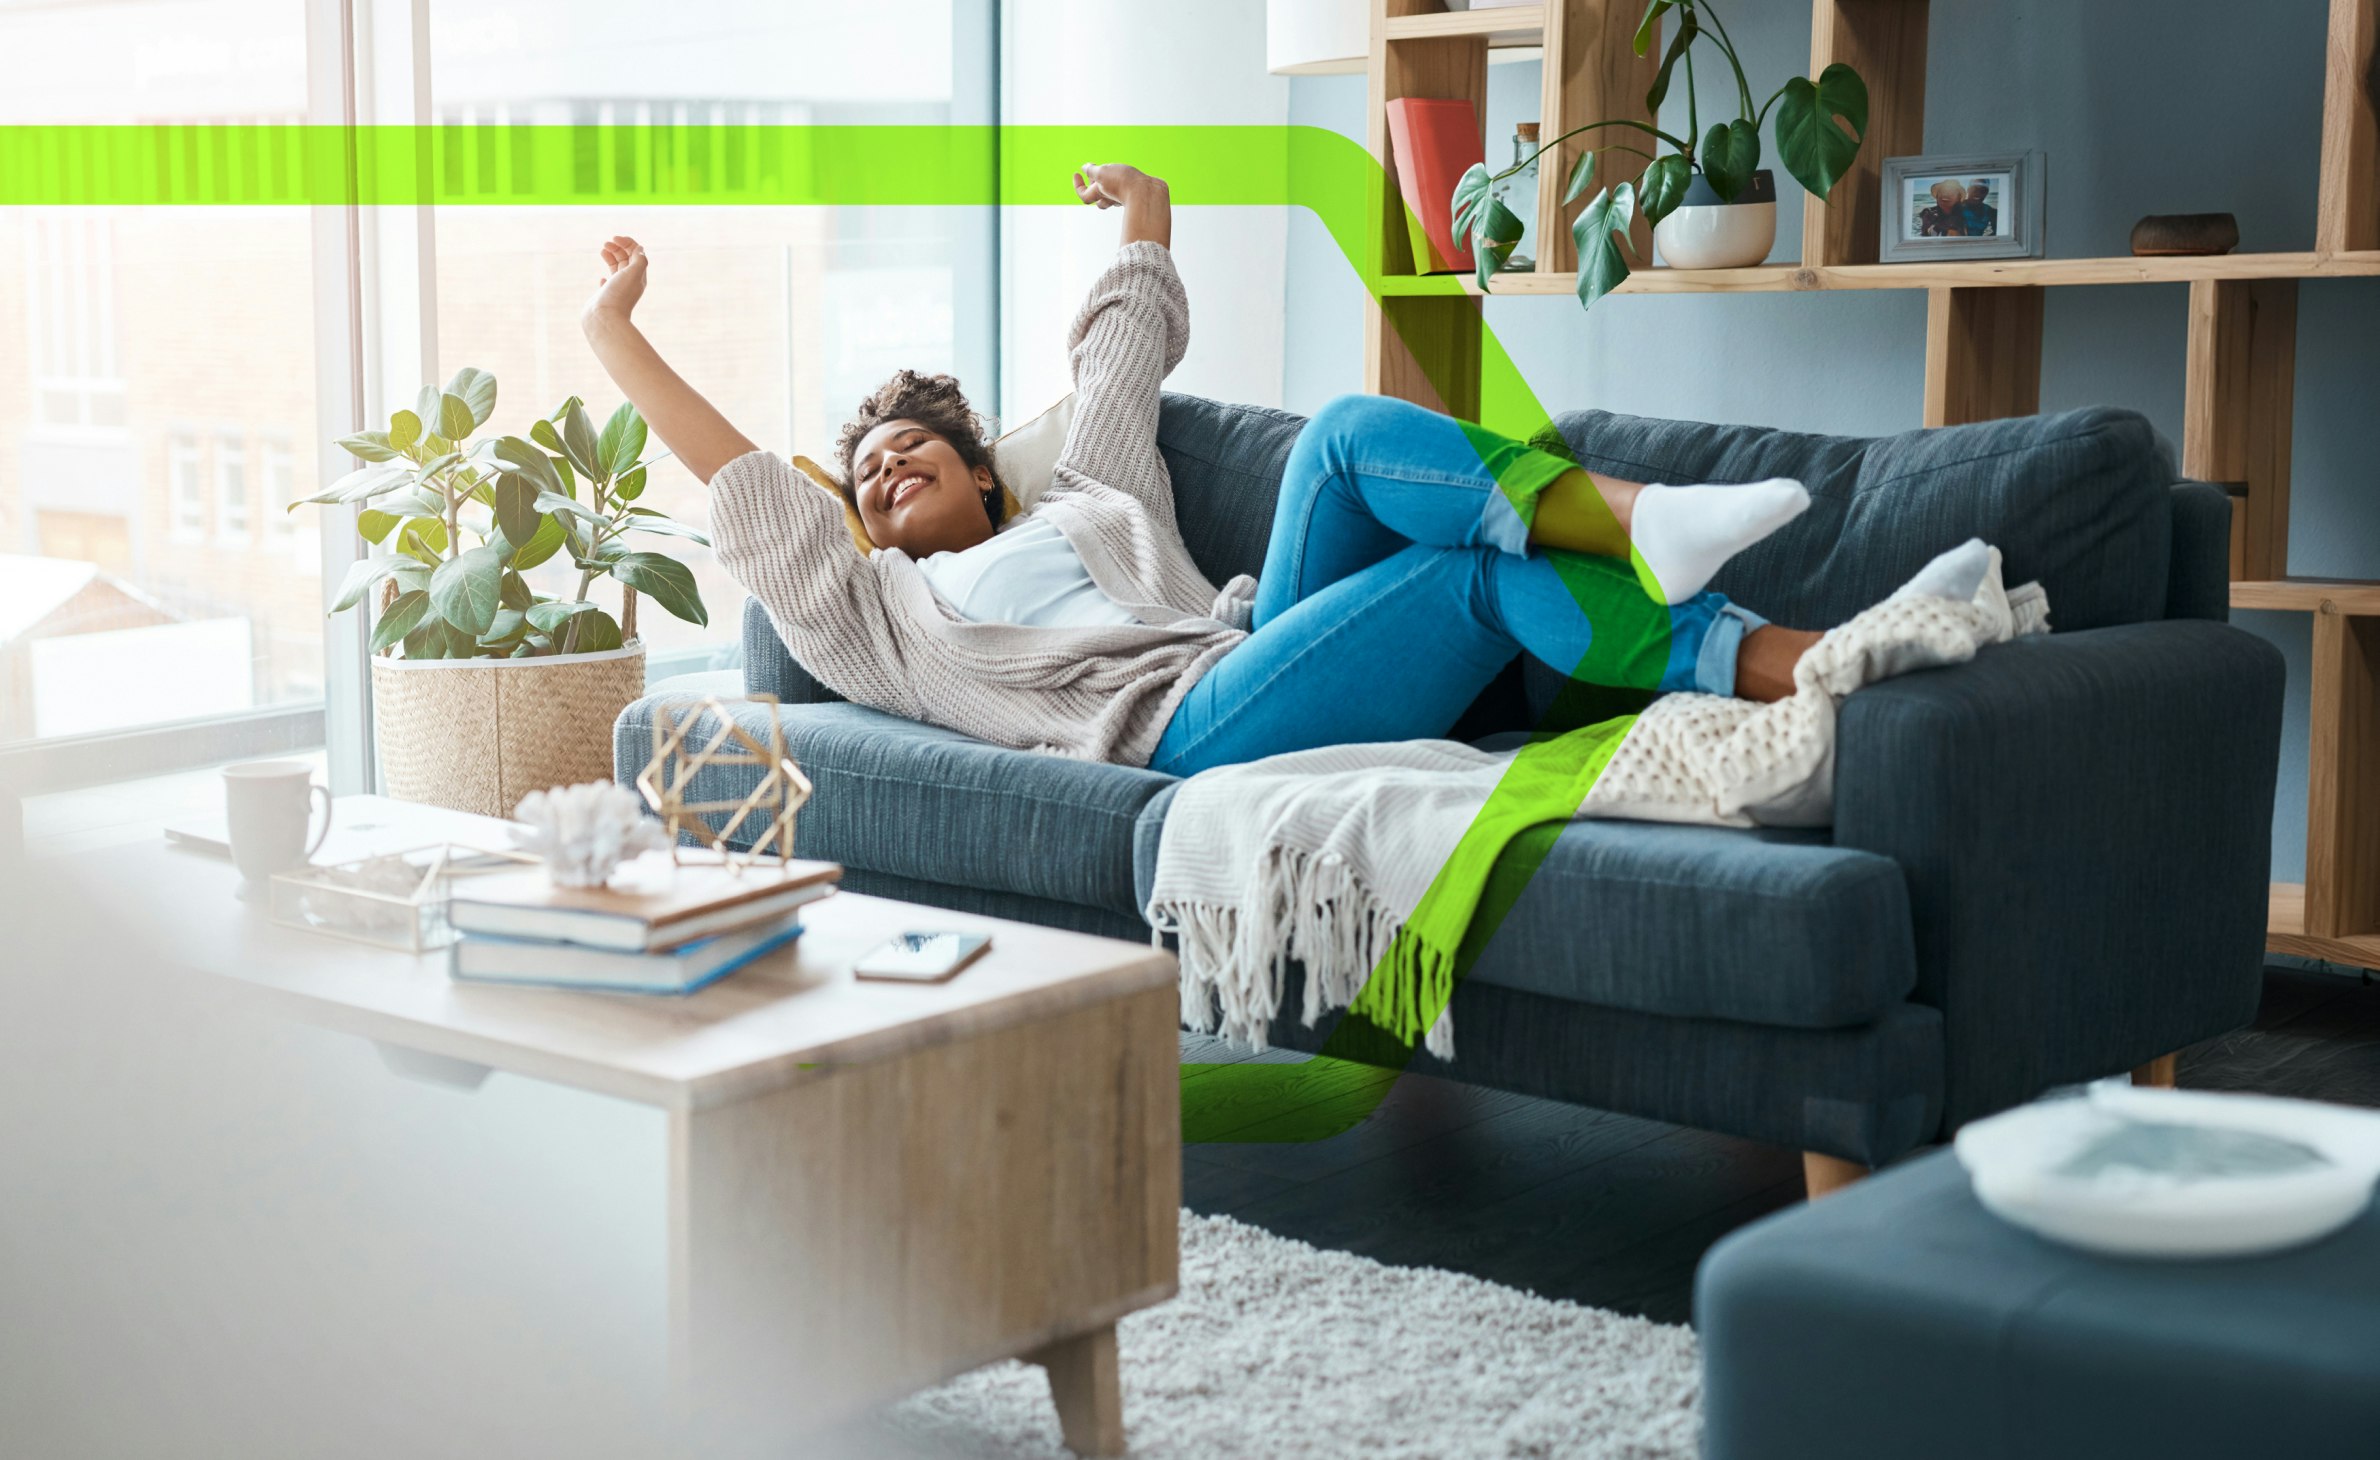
<point>1614,1211</point>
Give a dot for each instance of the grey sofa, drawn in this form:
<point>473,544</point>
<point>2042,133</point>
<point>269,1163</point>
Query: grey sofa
<point>2046,865</point>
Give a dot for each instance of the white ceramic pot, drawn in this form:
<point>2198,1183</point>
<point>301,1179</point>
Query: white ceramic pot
<point>1716,235</point>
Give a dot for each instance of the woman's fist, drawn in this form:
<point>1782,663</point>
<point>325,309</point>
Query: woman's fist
<point>1105,184</point>
<point>621,284</point>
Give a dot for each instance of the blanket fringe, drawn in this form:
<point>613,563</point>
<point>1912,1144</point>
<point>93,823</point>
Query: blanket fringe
<point>1312,908</point>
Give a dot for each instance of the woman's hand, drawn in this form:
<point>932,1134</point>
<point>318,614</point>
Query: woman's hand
<point>1147,203</point>
<point>620,286</point>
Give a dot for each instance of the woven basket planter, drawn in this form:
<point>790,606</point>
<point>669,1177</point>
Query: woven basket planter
<point>479,734</point>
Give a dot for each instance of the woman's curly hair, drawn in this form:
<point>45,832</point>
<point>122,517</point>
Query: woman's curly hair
<point>936,403</point>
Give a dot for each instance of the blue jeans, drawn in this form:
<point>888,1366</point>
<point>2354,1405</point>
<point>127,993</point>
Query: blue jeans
<point>1400,579</point>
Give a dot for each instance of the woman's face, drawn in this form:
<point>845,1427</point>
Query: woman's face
<point>915,494</point>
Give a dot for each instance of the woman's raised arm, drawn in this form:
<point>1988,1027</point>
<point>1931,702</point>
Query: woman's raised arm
<point>690,426</point>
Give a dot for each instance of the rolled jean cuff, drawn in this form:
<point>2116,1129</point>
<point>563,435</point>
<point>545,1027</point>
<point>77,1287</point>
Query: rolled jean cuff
<point>1714,666</point>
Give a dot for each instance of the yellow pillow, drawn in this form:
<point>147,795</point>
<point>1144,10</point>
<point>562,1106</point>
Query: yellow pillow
<point>1031,449</point>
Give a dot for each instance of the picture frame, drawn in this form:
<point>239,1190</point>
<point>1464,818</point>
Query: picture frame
<point>1996,214</point>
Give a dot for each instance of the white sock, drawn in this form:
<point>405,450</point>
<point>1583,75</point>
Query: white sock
<point>1686,534</point>
<point>1956,574</point>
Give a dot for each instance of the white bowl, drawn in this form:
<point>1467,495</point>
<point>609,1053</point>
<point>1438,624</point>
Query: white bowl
<point>1716,235</point>
<point>2021,1163</point>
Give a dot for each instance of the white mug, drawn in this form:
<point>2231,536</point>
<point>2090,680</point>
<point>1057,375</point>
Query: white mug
<point>267,804</point>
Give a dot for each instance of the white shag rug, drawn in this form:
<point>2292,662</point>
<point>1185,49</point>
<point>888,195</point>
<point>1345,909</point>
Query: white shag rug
<point>1279,1349</point>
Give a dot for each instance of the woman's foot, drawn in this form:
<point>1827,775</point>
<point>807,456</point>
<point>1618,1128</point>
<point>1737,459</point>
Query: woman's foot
<point>1957,574</point>
<point>1684,535</point>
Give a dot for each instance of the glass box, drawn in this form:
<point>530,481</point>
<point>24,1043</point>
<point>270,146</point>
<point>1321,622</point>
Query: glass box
<point>394,900</point>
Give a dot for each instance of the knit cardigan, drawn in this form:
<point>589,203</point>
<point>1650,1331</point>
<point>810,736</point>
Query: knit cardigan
<point>869,627</point>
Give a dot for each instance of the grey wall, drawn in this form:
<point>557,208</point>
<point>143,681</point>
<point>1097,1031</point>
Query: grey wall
<point>2143,106</point>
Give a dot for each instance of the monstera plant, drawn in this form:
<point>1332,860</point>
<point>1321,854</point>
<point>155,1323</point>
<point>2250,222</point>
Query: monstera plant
<point>1819,127</point>
<point>466,521</point>
<point>483,689</point>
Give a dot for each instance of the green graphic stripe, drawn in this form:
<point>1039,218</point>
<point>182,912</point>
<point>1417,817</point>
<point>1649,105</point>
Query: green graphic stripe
<point>961,166</point>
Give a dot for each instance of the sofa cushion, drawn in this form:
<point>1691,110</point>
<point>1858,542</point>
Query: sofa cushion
<point>1762,926</point>
<point>921,802</point>
<point>1226,462</point>
<point>2080,500</point>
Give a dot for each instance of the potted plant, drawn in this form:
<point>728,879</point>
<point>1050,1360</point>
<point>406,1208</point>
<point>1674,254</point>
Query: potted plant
<point>1702,198</point>
<point>484,690</point>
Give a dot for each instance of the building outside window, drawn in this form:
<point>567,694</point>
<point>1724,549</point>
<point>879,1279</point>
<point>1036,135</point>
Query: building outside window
<point>185,487</point>
<point>231,490</point>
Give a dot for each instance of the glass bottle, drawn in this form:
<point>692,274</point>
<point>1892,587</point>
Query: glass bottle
<point>1519,193</point>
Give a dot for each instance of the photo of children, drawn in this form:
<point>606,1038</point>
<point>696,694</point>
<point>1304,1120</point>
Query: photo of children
<point>1956,207</point>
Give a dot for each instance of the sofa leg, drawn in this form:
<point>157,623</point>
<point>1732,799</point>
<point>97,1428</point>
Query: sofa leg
<point>1822,1174</point>
<point>2157,1074</point>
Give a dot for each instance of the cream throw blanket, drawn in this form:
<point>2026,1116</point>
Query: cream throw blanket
<point>1353,858</point>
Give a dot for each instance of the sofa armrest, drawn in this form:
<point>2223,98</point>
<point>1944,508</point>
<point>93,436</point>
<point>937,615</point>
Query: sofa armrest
<point>2085,823</point>
<point>770,669</point>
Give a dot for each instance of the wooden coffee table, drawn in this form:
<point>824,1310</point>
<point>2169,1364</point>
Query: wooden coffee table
<point>872,1187</point>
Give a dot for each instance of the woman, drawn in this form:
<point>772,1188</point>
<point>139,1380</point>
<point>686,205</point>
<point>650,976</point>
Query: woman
<point>1412,555</point>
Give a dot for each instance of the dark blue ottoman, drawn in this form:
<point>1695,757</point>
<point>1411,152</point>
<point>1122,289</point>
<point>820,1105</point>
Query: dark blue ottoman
<point>1897,1318</point>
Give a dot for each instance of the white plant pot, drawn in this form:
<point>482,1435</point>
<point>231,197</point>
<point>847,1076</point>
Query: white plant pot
<point>1716,235</point>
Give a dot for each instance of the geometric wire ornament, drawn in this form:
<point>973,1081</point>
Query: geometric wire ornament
<point>780,792</point>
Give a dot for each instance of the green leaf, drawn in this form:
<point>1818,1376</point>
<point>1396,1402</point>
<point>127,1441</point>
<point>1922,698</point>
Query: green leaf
<point>1499,228</point>
<point>1644,27</point>
<point>513,592</point>
<point>1687,30</point>
<point>1599,231</point>
<point>517,514</point>
<point>1811,117</point>
<point>562,471</point>
<point>454,417</point>
<point>425,406</point>
<point>428,640</point>
<point>1730,155</point>
<point>1470,195</point>
<point>645,519</point>
<point>404,428</point>
<point>371,446</point>
<point>542,544</point>
<point>423,539</point>
<point>375,525</point>
<point>510,624</point>
<point>578,443</point>
<point>1664,186</point>
<point>476,389</point>
<point>524,459</point>
<point>398,619</point>
<point>433,445</point>
<point>1582,175</point>
<point>568,506</point>
<point>549,616</point>
<point>413,501</point>
<point>410,576</point>
<point>623,440</point>
<point>664,580</point>
<point>597,631</point>
<point>365,483</point>
<point>361,575</point>
<point>465,587</point>
<point>435,465</point>
<point>630,485</point>
<point>544,434</point>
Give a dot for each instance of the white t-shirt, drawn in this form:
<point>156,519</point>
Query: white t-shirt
<point>1028,573</point>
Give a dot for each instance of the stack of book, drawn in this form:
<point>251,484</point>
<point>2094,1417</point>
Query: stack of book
<point>655,929</point>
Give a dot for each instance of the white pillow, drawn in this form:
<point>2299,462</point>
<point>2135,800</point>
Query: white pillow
<point>1027,457</point>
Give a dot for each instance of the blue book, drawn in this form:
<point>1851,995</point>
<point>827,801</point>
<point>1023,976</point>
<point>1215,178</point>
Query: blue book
<point>488,958</point>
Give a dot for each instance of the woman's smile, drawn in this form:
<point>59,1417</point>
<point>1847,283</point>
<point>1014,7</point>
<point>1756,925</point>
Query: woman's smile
<point>906,483</point>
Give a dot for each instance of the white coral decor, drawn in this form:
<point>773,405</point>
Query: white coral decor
<point>584,832</point>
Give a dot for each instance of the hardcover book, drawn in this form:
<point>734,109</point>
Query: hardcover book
<point>1434,142</point>
<point>649,905</point>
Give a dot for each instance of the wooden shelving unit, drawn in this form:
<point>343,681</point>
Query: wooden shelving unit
<point>1983,332</point>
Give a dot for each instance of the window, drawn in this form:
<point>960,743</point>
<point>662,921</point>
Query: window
<point>783,316</point>
<point>183,487</point>
<point>70,319</point>
<point>231,490</point>
<point>144,350</point>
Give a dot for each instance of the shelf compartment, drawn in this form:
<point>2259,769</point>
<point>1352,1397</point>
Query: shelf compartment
<point>2285,932</point>
<point>2355,597</point>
